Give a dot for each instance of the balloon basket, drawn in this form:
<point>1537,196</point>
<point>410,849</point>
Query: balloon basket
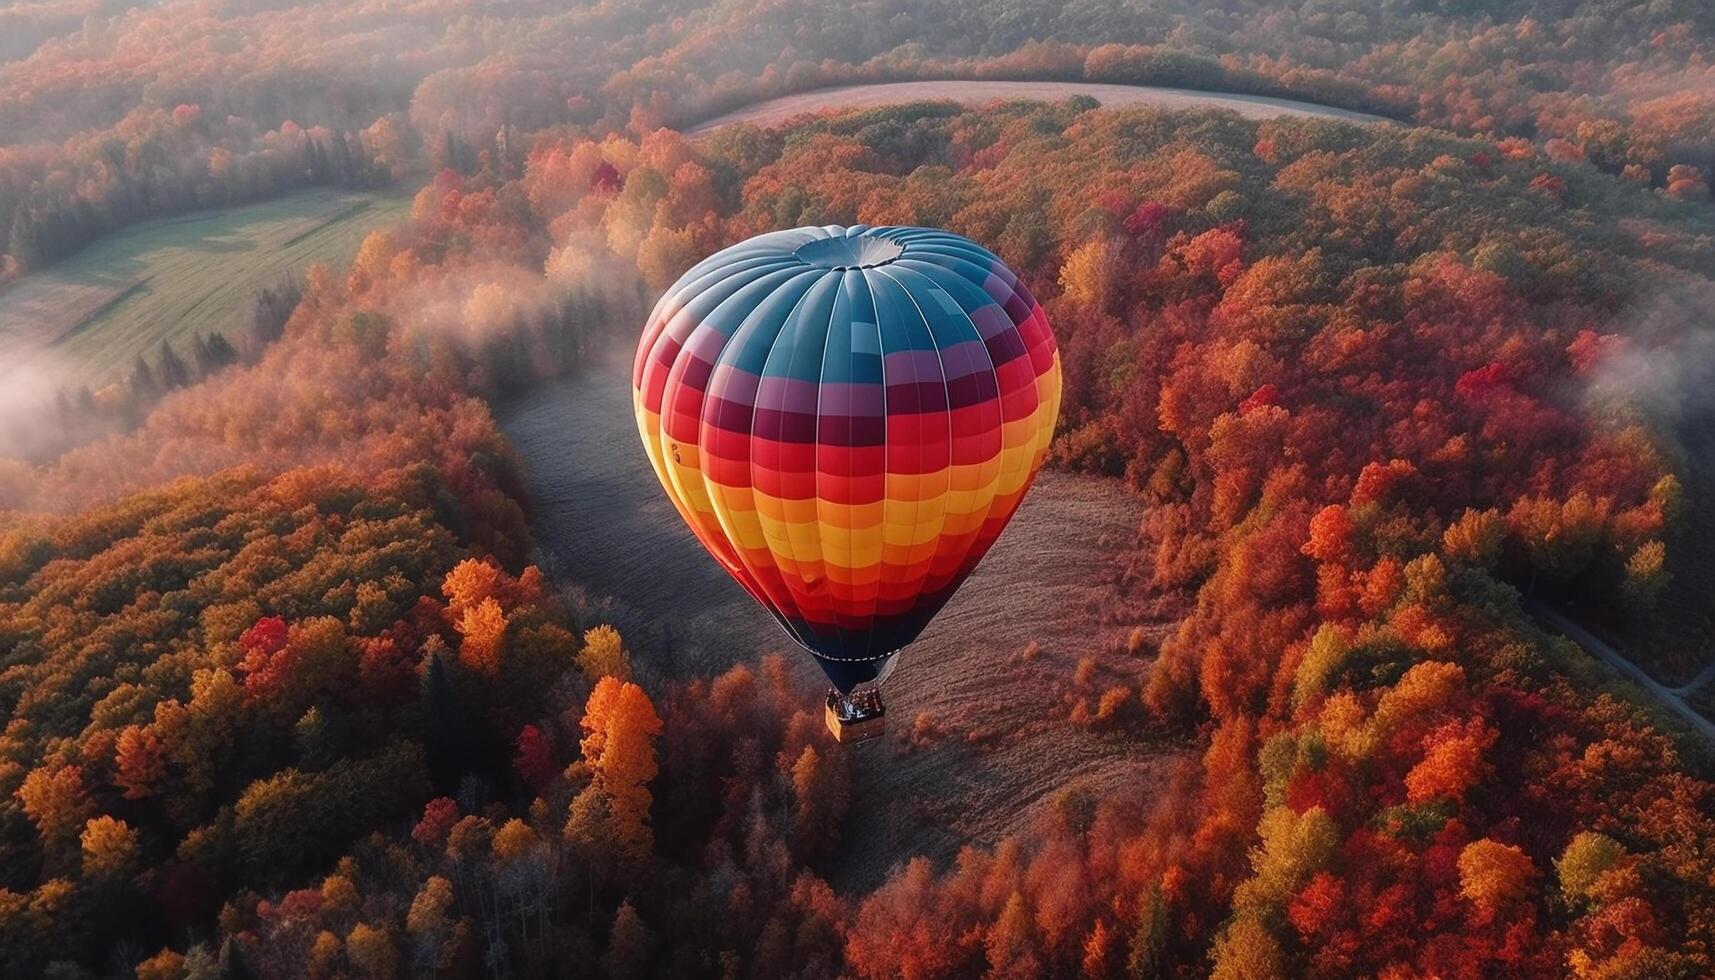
<point>855,717</point>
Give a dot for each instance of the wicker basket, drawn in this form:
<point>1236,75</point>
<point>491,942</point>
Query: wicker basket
<point>869,721</point>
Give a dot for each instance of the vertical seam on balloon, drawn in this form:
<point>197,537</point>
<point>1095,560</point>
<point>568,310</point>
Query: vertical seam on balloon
<point>750,460</point>
<point>945,383</point>
<point>816,468</point>
<point>1000,407</point>
<point>659,433</point>
<point>659,430</point>
<point>881,359</point>
<point>1000,397</point>
<point>850,508</point>
<point>804,639</point>
<point>934,346</point>
<point>674,471</point>
<point>886,467</point>
<point>720,512</point>
<point>1000,454</point>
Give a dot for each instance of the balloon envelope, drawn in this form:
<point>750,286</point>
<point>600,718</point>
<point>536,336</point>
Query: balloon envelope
<point>847,418</point>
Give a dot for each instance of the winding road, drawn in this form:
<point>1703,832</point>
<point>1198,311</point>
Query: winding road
<point>1672,698</point>
<point>774,112</point>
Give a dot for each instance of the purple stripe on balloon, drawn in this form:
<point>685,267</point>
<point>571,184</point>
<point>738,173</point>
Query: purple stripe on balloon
<point>912,397</point>
<point>683,324</point>
<point>801,429</point>
<point>964,357</point>
<point>972,389</point>
<point>733,415</point>
<point>851,399</point>
<point>706,343</point>
<point>785,426</point>
<point>1003,348</point>
<point>998,289</point>
<point>696,372</point>
<point>733,383</point>
<point>991,321</point>
<point>861,430</point>
<point>788,394</point>
<point>919,365</point>
<point>1024,291</point>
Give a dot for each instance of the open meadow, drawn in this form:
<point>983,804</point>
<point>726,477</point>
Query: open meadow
<point>84,321</point>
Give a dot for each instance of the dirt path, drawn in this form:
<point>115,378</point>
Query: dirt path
<point>1004,747</point>
<point>773,112</point>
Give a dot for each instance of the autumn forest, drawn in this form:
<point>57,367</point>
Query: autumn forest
<point>292,685</point>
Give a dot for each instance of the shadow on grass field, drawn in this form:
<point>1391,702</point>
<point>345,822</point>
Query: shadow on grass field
<point>86,319</point>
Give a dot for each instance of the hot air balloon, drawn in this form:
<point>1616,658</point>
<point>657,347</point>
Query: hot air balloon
<point>847,417</point>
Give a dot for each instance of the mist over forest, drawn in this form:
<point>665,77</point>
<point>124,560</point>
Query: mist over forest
<point>1340,426</point>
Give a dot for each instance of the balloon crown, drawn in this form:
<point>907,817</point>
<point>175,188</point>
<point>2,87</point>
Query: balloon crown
<point>858,248</point>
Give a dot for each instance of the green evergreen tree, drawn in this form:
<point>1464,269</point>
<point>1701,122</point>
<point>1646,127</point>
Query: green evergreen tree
<point>340,160</point>
<point>172,372</point>
<point>1150,939</point>
<point>446,737</point>
<point>221,350</point>
<point>25,241</point>
<point>235,962</point>
<point>143,381</point>
<point>450,156</point>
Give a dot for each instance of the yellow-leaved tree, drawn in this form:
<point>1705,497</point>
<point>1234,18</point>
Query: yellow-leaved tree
<point>609,819</point>
<point>1494,876</point>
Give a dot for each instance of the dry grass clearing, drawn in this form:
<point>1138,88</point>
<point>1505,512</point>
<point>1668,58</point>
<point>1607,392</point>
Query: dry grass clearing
<point>992,678</point>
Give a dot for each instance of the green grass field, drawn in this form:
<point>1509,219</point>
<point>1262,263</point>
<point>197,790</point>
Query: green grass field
<point>91,315</point>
